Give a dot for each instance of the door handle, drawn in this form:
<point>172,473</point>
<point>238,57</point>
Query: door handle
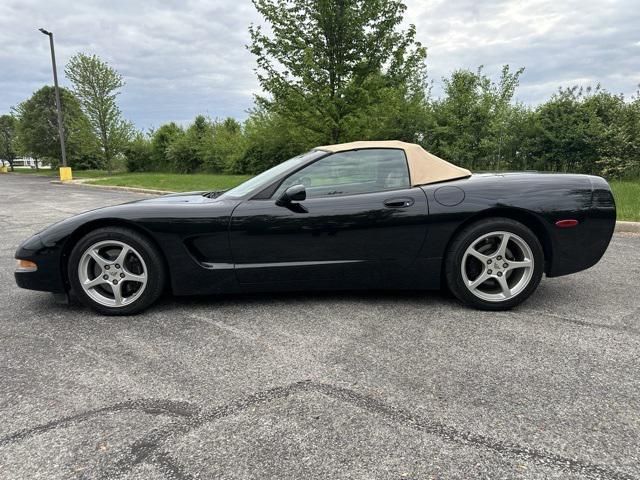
<point>399,202</point>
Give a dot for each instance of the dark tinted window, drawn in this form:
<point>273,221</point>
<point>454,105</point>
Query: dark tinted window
<point>348,173</point>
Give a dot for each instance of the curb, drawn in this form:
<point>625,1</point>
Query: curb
<point>148,191</point>
<point>621,226</point>
<point>629,227</point>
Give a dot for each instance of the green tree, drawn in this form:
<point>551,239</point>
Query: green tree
<point>161,139</point>
<point>269,140</point>
<point>470,124</point>
<point>38,134</point>
<point>186,153</point>
<point>615,126</point>
<point>182,155</point>
<point>571,128</point>
<point>137,154</point>
<point>626,136</point>
<point>329,65</point>
<point>501,143</point>
<point>224,149</point>
<point>8,127</point>
<point>97,85</point>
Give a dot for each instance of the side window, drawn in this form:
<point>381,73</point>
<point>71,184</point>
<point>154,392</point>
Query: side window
<point>349,173</point>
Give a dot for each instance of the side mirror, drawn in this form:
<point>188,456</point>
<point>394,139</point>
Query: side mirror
<point>295,193</point>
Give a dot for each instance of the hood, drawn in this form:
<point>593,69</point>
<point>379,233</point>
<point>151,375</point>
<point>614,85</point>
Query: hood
<point>149,208</point>
<point>184,197</point>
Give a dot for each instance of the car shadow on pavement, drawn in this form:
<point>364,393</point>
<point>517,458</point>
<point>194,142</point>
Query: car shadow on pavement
<point>329,296</point>
<point>45,303</point>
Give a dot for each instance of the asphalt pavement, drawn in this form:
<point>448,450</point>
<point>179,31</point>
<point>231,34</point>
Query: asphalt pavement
<point>316,385</point>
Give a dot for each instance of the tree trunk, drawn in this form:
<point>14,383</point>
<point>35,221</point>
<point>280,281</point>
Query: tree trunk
<point>107,155</point>
<point>335,135</point>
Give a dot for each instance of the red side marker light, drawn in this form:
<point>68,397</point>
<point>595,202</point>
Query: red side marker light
<point>567,223</point>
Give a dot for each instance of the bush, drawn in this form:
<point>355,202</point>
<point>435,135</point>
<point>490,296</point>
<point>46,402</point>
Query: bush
<point>270,140</point>
<point>183,155</point>
<point>137,154</point>
<point>224,149</point>
<point>161,139</point>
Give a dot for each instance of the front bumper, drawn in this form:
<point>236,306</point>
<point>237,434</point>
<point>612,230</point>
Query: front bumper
<point>49,275</point>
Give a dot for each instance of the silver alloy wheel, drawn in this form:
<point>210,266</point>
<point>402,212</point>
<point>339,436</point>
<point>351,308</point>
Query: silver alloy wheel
<point>497,266</point>
<point>112,273</point>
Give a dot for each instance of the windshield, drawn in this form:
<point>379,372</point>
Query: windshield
<point>266,177</point>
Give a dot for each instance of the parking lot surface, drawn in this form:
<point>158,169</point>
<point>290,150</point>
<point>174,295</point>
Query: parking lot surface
<point>316,385</point>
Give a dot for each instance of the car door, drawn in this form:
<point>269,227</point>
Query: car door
<point>360,224</point>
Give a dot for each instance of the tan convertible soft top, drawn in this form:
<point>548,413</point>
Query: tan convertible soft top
<point>424,167</point>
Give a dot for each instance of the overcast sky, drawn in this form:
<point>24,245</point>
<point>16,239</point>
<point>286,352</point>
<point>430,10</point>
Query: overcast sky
<point>180,58</point>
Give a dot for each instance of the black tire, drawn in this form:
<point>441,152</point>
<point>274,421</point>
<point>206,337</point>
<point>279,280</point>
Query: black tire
<point>155,269</point>
<point>468,236</point>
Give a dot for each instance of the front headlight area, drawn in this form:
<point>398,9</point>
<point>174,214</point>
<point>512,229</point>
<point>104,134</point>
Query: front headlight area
<point>27,254</point>
<point>26,266</point>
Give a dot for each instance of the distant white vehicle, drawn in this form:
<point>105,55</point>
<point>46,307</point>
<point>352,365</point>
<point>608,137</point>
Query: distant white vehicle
<point>28,162</point>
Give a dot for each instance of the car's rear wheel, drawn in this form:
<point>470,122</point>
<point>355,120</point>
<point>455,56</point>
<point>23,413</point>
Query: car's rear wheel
<point>494,264</point>
<point>116,271</point>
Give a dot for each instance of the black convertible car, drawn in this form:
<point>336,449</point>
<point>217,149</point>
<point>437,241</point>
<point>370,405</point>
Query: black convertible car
<point>358,215</point>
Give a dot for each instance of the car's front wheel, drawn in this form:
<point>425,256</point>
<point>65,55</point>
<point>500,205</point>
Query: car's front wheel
<point>116,271</point>
<point>494,264</point>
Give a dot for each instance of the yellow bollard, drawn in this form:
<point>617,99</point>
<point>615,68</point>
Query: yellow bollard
<point>4,169</point>
<point>65,174</point>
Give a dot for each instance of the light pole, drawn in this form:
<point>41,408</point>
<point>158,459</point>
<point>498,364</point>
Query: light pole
<point>65,172</point>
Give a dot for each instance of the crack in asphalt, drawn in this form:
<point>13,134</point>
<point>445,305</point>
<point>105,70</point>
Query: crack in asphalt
<point>150,407</point>
<point>589,324</point>
<point>147,449</point>
<point>170,467</point>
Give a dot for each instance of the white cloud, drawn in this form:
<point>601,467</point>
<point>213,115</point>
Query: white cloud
<point>559,42</point>
<point>178,58</point>
<point>182,58</point>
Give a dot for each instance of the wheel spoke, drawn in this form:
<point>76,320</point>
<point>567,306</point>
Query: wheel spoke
<point>526,263</point>
<point>480,256</point>
<point>122,255</point>
<point>117,293</point>
<point>95,282</point>
<point>504,286</point>
<point>101,261</point>
<point>479,281</point>
<point>132,277</point>
<point>502,249</point>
